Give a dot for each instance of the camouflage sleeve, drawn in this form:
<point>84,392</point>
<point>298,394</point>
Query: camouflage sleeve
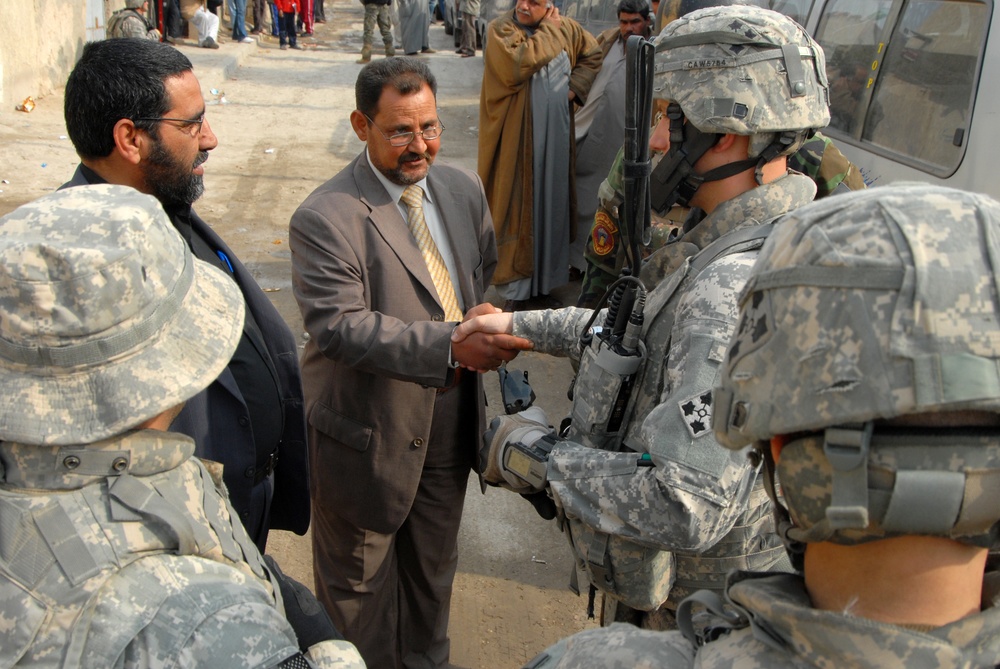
<point>620,646</point>
<point>185,611</point>
<point>553,331</point>
<point>336,655</point>
<point>133,26</point>
<point>820,160</point>
<point>697,489</point>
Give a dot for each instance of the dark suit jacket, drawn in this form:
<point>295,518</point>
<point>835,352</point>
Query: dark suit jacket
<point>218,420</point>
<point>379,344</point>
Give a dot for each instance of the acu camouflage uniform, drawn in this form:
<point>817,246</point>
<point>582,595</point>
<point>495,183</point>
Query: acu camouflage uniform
<point>130,23</point>
<point>700,510</point>
<point>700,501</point>
<point>861,307</point>
<point>117,547</point>
<point>819,159</point>
<point>777,628</point>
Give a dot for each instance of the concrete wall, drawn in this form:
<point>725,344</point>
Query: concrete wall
<point>40,41</point>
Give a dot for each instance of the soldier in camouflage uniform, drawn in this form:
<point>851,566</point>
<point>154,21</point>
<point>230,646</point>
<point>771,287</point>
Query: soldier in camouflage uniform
<point>676,506</point>
<point>132,22</point>
<point>865,373</point>
<point>818,159</point>
<point>117,547</point>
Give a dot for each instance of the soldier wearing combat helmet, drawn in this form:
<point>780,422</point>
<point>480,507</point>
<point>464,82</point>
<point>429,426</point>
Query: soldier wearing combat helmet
<point>605,256</point>
<point>865,374</point>
<point>654,506</point>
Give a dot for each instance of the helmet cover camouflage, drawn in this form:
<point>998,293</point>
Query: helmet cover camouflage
<point>743,70</point>
<point>106,319</point>
<point>671,10</point>
<point>864,307</point>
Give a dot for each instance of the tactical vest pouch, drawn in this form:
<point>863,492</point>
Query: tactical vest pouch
<point>637,576</point>
<point>602,396</point>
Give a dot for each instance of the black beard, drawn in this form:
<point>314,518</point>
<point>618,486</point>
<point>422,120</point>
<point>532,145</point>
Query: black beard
<point>171,182</point>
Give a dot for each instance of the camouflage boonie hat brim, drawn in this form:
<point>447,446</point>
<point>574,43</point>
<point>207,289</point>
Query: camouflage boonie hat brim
<point>864,306</point>
<point>742,70</point>
<point>106,319</point>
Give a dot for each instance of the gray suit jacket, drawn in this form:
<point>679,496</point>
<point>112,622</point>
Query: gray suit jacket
<point>379,345</point>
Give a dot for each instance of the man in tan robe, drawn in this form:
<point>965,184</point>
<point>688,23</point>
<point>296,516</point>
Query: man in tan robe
<point>532,56</point>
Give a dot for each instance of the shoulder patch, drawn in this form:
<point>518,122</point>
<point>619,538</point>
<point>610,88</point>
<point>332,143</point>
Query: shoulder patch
<point>697,414</point>
<point>603,233</point>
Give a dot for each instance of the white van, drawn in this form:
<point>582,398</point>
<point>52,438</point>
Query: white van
<point>915,87</point>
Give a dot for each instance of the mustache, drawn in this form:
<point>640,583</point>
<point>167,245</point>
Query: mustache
<point>410,155</point>
<point>199,159</point>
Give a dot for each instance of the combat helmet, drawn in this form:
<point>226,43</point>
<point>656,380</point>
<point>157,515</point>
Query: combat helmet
<point>735,69</point>
<point>869,343</point>
<point>134,4</point>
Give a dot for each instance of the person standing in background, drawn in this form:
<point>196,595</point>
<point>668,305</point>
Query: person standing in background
<point>387,256</point>
<point>539,66</point>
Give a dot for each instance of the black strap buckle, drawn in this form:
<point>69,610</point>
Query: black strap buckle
<point>264,470</point>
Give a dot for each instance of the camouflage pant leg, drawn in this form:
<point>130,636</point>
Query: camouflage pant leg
<point>385,24</point>
<point>377,13</point>
<point>604,258</point>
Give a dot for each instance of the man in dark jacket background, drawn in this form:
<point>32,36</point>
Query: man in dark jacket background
<point>148,130</point>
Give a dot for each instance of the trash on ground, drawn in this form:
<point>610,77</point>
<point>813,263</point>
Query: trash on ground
<point>27,105</point>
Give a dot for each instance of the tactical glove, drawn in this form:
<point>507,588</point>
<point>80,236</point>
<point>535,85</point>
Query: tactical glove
<point>526,427</point>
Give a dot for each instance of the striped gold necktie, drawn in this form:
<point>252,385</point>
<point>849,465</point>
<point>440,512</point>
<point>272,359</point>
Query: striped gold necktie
<point>413,198</point>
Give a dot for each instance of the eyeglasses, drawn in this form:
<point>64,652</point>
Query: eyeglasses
<point>404,138</point>
<point>192,125</point>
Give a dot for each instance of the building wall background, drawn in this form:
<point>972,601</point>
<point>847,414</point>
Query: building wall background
<point>40,41</point>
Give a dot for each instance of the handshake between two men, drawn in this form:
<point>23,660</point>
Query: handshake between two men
<point>514,453</point>
<point>482,342</point>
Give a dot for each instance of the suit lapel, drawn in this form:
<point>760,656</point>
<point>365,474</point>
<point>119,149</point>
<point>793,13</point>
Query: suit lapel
<point>385,216</point>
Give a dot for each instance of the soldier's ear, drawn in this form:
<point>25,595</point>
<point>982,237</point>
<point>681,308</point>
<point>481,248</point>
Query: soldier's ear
<point>725,142</point>
<point>360,125</point>
<point>129,140</point>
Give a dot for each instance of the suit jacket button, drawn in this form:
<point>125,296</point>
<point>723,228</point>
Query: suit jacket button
<point>437,317</point>
<point>418,442</point>
<point>249,472</point>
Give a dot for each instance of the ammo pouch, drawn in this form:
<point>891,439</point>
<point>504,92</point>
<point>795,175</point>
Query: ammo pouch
<point>637,576</point>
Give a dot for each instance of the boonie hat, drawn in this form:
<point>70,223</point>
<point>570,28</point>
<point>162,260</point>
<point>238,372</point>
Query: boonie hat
<point>106,318</point>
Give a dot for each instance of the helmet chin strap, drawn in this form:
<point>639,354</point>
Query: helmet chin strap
<point>761,453</point>
<point>674,179</point>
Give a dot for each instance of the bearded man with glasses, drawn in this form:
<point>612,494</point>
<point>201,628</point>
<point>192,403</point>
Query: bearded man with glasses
<point>147,129</point>
<point>387,257</point>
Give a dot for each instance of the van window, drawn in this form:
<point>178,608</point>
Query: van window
<point>903,74</point>
<point>796,10</point>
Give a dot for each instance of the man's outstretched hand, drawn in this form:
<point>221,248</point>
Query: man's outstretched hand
<point>482,342</point>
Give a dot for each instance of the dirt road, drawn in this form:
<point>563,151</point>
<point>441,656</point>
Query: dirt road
<point>282,123</point>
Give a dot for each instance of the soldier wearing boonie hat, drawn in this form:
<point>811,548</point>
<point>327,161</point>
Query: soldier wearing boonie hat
<point>121,548</point>
<point>655,507</point>
<point>866,374</point>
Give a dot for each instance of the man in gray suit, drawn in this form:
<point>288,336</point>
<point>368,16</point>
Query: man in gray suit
<point>386,257</point>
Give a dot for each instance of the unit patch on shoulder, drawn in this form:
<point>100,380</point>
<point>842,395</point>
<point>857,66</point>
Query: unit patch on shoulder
<point>697,414</point>
<point>603,233</point>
